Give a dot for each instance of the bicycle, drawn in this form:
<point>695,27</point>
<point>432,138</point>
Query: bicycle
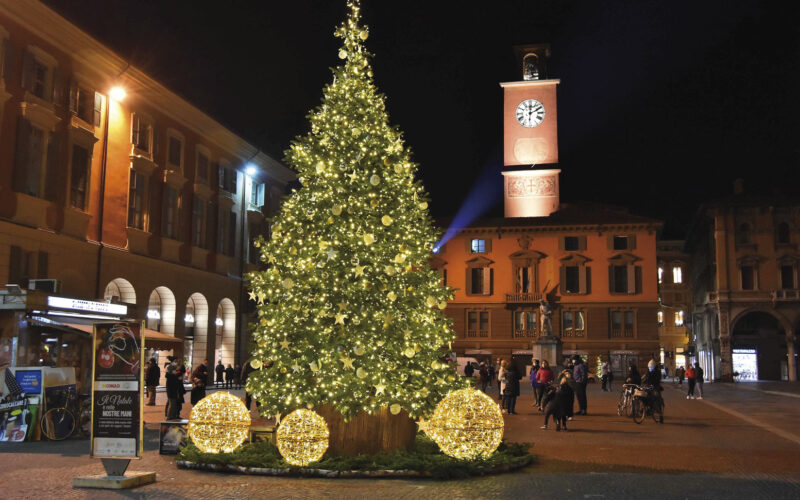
<point>60,422</point>
<point>647,401</point>
<point>625,405</point>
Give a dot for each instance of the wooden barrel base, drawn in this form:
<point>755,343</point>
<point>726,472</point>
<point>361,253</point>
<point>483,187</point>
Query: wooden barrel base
<point>366,434</point>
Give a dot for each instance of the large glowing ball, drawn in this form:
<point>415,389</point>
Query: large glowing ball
<point>219,423</point>
<point>466,424</point>
<point>302,437</point>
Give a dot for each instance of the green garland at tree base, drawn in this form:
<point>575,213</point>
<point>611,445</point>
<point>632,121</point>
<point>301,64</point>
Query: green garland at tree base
<point>423,460</point>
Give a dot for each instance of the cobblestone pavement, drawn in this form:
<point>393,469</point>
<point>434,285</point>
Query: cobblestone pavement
<point>739,442</point>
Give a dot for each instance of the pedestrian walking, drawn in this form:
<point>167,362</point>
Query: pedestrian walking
<point>220,371</point>
<point>535,384</point>
<point>501,384</point>
<point>558,404</point>
<point>565,377</point>
<point>604,376</point>
<point>581,377</point>
<point>483,373</point>
<point>199,381</point>
<point>511,388</point>
<point>229,377</point>
<point>151,379</point>
<point>469,370</point>
<point>173,391</point>
<point>544,376</point>
<point>680,373</point>
<point>180,373</point>
<point>499,375</point>
<point>690,379</point>
<point>698,380</point>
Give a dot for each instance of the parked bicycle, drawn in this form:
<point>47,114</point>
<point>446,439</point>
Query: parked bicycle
<point>625,405</point>
<point>647,401</point>
<point>73,417</point>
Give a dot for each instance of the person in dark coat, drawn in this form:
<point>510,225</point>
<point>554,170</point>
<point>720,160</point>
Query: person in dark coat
<point>581,379</point>
<point>199,381</point>
<point>633,375</point>
<point>173,392</point>
<point>559,401</point>
<point>220,371</point>
<point>151,378</point>
<point>229,377</point>
<point>237,376</point>
<point>511,387</point>
<point>180,373</point>
<point>565,377</point>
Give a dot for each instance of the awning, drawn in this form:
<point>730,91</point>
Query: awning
<point>152,339</point>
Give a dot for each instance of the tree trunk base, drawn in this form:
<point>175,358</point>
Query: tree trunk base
<point>366,434</point>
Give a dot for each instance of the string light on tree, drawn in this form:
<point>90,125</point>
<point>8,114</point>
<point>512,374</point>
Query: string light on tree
<point>219,423</point>
<point>356,234</point>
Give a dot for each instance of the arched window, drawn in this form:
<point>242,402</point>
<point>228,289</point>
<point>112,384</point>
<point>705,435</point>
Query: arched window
<point>677,274</point>
<point>530,67</point>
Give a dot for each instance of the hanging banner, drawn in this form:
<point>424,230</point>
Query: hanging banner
<point>117,394</point>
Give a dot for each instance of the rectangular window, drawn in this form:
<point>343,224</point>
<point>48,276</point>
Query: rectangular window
<point>472,324</point>
<point>137,198</point>
<point>479,281</point>
<point>169,219</point>
<point>202,167</point>
<point>573,278</point>
<point>620,282</point>
<point>621,243</point>
<point>660,275</point>
<point>39,82</point>
<point>140,133</point>
<point>623,323</point>
<point>478,245</point>
<point>524,279</point>
<point>572,324</point>
<point>36,162</point>
<point>175,152</point>
<point>257,195</point>
<point>227,179</point>
<point>678,318</point>
<point>524,324</point>
<point>787,277</point>
<point>198,222</point>
<point>572,243</point>
<point>84,104</point>
<point>660,317</point>
<point>629,323</point>
<point>477,323</point>
<point>79,178</point>
<point>748,278</point>
<point>677,274</point>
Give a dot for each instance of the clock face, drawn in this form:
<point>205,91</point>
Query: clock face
<point>530,113</point>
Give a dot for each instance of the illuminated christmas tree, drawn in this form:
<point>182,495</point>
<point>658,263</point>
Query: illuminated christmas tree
<point>349,312</point>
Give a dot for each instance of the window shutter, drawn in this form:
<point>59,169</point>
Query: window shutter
<point>135,129</point>
<point>52,176</point>
<point>563,279</point>
<point>42,265</point>
<point>468,281</point>
<point>632,242</point>
<point>637,279</point>
<point>588,272</point>
<point>487,281</point>
<point>98,108</point>
<point>220,175</point>
<point>8,59</point>
<point>28,68</point>
<point>582,278</point>
<point>260,195</point>
<point>468,244</point>
<point>611,279</point>
<point>562,243</point>
<point>582,242</point>
<point>491,281</point>
<point>73,93</point>
<point>21,159</point>
<point>631,275</point>
<point>488,246</point>
<point>15,266</point>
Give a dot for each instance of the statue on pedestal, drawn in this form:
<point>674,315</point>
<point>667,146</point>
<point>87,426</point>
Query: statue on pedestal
<point>546,313</point>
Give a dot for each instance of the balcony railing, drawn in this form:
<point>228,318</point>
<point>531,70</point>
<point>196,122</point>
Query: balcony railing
<point>791,295</point>
<point>523,297</point>
<point>786,295</point>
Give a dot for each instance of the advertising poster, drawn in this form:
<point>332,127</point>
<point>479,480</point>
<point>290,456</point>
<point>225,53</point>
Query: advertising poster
<point>173,437</point>
<point>117,390</point>
<point>15,420</point>
<point>30,381</point>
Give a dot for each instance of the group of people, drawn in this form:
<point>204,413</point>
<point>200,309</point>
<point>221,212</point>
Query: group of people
<point>231,376</point>
<point>555,397</point>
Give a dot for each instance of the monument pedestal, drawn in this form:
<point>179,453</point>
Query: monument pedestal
<point>548,348</point>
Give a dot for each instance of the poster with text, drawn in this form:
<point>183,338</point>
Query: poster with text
<point>117,390</point>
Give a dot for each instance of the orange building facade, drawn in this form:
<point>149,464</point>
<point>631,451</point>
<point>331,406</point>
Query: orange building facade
<point>595,265</point>
<point>143,199</point>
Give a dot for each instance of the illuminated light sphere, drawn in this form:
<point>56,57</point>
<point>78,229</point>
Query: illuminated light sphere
<point>302,437</point>
<point>219,423</point>
<point>466,424</point>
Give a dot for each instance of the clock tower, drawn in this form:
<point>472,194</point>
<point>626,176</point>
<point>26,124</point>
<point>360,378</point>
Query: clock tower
<point>530,118</point>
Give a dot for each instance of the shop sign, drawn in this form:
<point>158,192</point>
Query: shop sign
<point>118,378</point>
<point>87,306</point>
<point>29,380</point>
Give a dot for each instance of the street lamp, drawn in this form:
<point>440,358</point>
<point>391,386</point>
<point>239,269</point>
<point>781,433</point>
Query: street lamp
<point>117,93</point>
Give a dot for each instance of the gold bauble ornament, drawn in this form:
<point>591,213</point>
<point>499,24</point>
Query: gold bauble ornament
<point>390,270</point>
<point>219,423</point>
<point>359,350</point>
<point>336,210</point>
<point>395,409</point>
<point>373,203</point>
<point>466,424</point>
<point>386,220</point>
<point>374,180</point>
<point>256,364</point>
<point>320,167</point>
<point>342,54</point>
<point>302,437</point>
<point>288,283</point>
<point>391,296</point>
<point>369,238</point>
<point>431,301</point>
<point>398,169</point>
<point>443,304</point>
<point>364,34</point>
<point>361,373</point>
<point>409,352</point>
<point>423,205</point>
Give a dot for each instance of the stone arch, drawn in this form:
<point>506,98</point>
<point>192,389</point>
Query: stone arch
<point>161,310</point>
<point>764,332</point>
<point>120,290</point>
<point>196,328</point>
<point>225,329</point>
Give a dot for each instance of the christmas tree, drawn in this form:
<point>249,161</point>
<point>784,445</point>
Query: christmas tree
<point>349,311</point>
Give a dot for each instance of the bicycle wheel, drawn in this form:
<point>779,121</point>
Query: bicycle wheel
<point>638,410</point>
<point>58,424</point>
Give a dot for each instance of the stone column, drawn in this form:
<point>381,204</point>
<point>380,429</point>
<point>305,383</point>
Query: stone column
<point>725,350</point>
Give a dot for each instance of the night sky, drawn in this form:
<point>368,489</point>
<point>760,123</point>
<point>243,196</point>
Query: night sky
<point>662,104</point>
